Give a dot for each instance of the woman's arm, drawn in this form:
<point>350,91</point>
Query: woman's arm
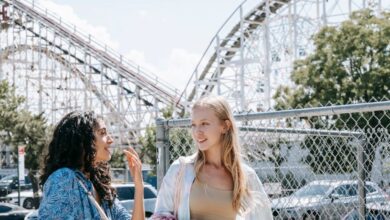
<point>139,209</point>
<point>135,167</point>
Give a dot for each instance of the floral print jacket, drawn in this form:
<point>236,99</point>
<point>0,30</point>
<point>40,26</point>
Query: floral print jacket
<point>64,198</point>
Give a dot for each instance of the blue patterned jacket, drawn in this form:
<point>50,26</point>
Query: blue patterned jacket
<point>64,198</point>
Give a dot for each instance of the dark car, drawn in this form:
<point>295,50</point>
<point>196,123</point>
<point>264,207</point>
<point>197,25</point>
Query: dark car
<point>12,212</point>
<point>125,194</point>
<point>11,183</point>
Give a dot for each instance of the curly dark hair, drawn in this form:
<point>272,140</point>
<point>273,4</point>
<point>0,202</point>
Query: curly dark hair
<point>72,146</point>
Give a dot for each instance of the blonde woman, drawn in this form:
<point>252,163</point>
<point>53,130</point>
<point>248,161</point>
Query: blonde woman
<point>214,183</point>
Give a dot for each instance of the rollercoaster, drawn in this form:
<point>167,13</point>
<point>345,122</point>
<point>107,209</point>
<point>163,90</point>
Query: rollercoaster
<point>59,68</point>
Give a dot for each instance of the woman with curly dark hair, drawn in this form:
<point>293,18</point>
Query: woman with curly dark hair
<point>75,177</point>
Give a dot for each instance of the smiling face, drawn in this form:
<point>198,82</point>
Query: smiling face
<point>102,142</point>
<point>207,128</point>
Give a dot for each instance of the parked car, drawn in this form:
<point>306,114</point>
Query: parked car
<point>119,176</point>
<point>126,197</point>
<point>12,212</point>
<point>325,199</point>
<point>374,211</point>
<point>27,199</point>
<point>33,215</point>
<point>11,183</point>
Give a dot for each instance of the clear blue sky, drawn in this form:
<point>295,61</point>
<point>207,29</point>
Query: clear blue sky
<point>166,36</point>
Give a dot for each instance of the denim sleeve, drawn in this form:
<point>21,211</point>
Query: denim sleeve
<point>119,212</point>
<point>61,197</point>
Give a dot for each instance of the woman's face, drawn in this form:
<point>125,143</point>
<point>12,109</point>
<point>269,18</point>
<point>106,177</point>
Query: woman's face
<point>102,142</point>
<point>207,128</point>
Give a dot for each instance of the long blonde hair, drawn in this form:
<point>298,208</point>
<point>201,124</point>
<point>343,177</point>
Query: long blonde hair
<point>231,152</point>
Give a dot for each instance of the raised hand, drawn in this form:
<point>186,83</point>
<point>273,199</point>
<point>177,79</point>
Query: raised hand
<point>135,165</point>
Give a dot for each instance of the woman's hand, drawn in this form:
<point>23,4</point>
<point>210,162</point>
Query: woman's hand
<point>135,165</point>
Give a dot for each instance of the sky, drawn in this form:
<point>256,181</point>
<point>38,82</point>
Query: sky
<point>166,37</point>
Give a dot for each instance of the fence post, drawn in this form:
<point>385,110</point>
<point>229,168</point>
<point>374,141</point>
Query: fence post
<point>361,178</point>
<point>162,150</point>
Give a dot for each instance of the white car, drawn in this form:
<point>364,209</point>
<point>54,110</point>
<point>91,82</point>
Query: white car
<point>32,215</point>
<point>324,199</point>
<point>125,194</point>
<point>26,199</point>
<point>11,211</point>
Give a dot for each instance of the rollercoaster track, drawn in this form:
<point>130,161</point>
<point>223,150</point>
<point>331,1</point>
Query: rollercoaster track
<point>150,87</point>
<point>253,19</point>
<point>81,61</point>
<point>5,52</point>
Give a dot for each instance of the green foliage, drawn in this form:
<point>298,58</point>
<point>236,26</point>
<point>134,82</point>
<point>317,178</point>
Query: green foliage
<point>117,159</point>
<point>351,62</point>
<point>31,130</point>
<point>180,142</point>
<point>167,112</point>
<point>9,104</point>
<point>21,127</point>
<point>148,153</point>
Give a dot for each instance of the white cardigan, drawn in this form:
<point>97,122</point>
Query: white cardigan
<point>259,206</point>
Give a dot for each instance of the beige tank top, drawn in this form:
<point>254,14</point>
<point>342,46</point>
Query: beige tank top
<point>207,203</point>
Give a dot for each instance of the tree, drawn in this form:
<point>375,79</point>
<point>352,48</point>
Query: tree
<point>117,159</point>
<point>180,142</point>
<point>9,104</point>
<point>22,128</point>
<point>148,150</point>
<point>350,62</point>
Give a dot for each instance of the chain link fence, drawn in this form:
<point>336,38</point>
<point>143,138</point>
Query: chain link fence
<point>327,162</point>
<point>122,175</point>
